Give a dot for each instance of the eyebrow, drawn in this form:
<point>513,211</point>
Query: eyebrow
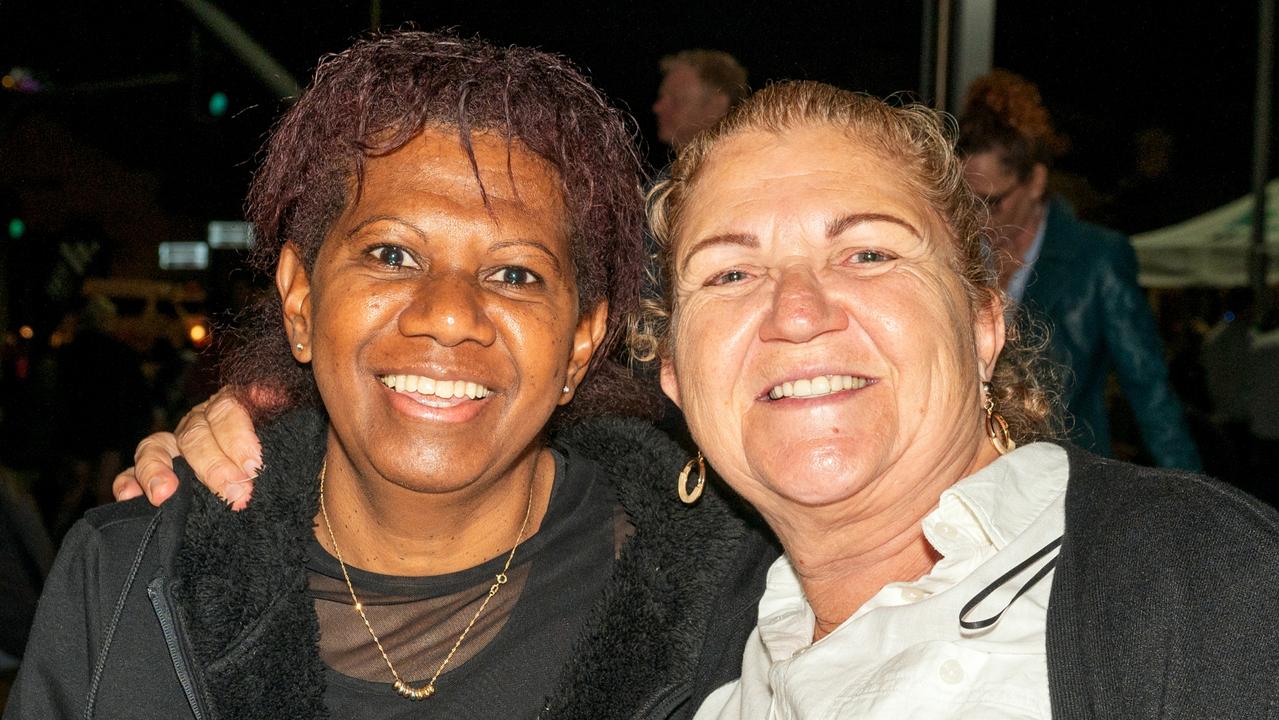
<point>844,222</point>
<point>741,239</point>
<point>384,218</point>
<point>833,228</point>
<point>541,247</point>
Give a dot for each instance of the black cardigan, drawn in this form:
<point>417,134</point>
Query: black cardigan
<point>1165,599</point>
<point>221,597</point>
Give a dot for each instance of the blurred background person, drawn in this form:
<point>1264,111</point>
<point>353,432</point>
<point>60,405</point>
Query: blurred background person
<point>698,88</point>
<point>1078,278</point>
<point>102,404</point>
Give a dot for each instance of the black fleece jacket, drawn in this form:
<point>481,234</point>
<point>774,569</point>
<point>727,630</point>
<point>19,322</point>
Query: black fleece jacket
<point>194,611</point>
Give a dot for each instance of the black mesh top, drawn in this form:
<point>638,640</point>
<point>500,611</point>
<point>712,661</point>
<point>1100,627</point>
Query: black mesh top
<point>511,658</point>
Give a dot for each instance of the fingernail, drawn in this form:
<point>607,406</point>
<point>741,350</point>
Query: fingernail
<point>151,487</point>
<point>252,467</point>
<point>234,491</point>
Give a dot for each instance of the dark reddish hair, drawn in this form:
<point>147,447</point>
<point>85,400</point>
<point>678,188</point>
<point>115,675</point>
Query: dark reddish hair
<point>1003,112</point>
<point>375,97</point>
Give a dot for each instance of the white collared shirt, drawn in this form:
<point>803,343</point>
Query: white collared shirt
<point>903,653</point>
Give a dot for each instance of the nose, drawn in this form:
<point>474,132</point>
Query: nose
<point>801,308</point>
<point>450,309</point>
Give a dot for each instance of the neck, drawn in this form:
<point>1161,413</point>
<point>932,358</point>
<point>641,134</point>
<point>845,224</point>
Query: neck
<point>844,556</point>
<point>383,527</point>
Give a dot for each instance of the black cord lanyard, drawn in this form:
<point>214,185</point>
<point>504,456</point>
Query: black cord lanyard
<point>999,582</point>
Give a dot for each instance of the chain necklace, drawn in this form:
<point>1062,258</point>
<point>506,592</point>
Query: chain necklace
<point>403,688</point>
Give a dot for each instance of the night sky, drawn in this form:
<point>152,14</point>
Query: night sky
<point>1107,70</point>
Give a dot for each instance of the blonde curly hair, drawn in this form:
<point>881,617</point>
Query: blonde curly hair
<point>913,137</point>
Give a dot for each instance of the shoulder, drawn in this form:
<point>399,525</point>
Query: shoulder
<point>1167,513</point>
<point>121,524</point>
<point>1084,240</point>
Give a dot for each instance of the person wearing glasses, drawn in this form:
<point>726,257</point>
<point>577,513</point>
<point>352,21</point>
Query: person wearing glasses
<point>1078,279</point>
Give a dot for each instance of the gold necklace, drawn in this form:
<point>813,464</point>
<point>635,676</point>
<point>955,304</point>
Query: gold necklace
<point>403,688</point>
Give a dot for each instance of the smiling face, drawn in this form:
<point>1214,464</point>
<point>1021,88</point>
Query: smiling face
<point>823,348</point>
<point>440,333</point>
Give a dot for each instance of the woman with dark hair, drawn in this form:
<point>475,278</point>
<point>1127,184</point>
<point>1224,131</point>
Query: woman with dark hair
<point>1079,279</point>
<point>455,235</point>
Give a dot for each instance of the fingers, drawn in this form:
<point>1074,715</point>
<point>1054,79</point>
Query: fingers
<point>218,441</point>
<point>152,471</point>
<point>125,486</point>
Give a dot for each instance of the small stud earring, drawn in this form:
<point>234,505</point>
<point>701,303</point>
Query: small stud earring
<point>299,346</point>
<point>566,390</point>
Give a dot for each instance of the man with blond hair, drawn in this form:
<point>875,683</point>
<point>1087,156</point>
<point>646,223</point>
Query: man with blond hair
<point>698,88</point>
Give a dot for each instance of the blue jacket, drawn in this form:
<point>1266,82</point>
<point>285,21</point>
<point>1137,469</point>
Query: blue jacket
<point>1084,285</point>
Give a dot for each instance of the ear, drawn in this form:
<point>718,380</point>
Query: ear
<point>591,327</point>
<point>294,286</point>
<point>1038,182</point>
<point>669,385</point>
<point>988,330</point>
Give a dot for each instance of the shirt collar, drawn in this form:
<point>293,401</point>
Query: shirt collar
<point>1003,498</point>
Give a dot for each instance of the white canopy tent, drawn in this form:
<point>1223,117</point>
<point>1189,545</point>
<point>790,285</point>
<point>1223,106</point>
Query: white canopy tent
<point>1210,250</point>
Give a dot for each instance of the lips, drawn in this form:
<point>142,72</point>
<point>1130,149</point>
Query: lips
<point>437,387</point>
<point>817,386</point>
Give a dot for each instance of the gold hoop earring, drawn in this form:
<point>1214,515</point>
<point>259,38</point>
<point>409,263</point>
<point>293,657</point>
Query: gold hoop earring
<point>688,497</point>
<point>996,426</point>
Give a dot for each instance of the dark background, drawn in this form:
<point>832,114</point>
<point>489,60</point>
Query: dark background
<point>116,151</point>
<point>1107,70</point>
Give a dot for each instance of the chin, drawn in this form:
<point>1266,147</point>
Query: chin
<point>816,472</point>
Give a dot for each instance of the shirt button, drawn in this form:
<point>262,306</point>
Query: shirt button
<point>912,594</point>
<point>946,530</point>
<point>952,673</point>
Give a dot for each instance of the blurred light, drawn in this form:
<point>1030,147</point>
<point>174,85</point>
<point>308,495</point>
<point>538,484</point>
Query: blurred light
<point>218,104</point>
<point>1229,316</point>
<point>26,332</point>
<point>58,339</point>
<point>8,82</point>
<point>198,334</point>
<point>17,228</point>
<point>230,234</point>
<point>184,256</point>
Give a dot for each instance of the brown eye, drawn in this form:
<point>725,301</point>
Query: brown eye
<point>393,256</point>
<point>515,275</point>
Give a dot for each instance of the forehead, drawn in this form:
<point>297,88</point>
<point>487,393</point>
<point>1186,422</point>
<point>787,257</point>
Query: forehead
<point>682,77</point>
<point>986,170</point>
<point>795,175</point>
<point>435,160</point>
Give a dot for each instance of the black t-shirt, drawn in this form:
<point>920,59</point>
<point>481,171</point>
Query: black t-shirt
<point>511,659</point>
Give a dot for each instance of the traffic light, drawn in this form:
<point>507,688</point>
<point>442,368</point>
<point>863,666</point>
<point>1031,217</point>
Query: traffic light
<point>218,104</point>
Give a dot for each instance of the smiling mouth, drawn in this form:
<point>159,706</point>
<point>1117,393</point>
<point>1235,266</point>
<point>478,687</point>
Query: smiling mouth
<point>444,389</point>
<point>817,386</point>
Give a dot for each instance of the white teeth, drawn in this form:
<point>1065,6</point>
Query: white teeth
<point>445,389</point>
<point>817,386</point>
